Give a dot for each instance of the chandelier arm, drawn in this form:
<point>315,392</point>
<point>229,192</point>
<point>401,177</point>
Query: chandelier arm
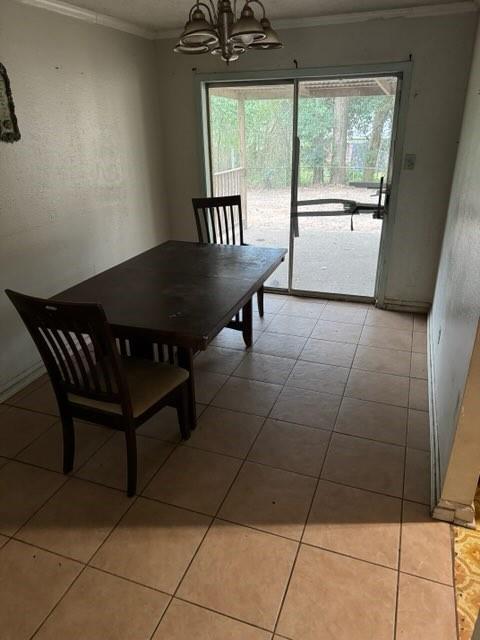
<point>260,4</point>
<point>202,4</point>
<point>214,11</point>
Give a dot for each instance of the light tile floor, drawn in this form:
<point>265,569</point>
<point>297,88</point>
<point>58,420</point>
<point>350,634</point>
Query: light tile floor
<point>298,508</point>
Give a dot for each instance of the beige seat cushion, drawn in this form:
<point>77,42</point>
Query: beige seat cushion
<point>148,382</point>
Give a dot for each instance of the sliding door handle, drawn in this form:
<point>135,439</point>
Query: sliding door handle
<point>295,172</point>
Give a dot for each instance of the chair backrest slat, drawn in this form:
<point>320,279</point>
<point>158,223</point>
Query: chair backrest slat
<point>51,343</point>
<point>76,353</point>
<point>206,218</point>
<point>104,368</point>
<point>219,220</point>
<point>77,347</point>
<point>62,350</point>
<point>93,378</point>
<point>212,223</point>
<point>225,221</point>
<point>68,351</point>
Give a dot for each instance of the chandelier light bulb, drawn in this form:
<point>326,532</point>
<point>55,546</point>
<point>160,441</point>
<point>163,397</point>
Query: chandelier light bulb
<point>247,39</point>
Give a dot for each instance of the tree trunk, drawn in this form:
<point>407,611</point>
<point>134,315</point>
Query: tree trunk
<point>319,160</point>
<point>375,142</point>
<point>339,140</point>
<point>317,174</point>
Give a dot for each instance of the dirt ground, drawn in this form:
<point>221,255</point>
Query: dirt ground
<point>328,256</point>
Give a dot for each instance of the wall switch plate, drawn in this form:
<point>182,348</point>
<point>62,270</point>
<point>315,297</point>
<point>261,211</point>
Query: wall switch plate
<point>409,162</point>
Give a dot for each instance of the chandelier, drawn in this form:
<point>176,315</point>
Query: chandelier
<point>220,32</point>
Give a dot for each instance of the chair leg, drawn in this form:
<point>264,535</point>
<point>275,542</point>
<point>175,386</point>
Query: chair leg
<point>68,443</point>
<point>260,296</point>
<point>183,412</point>
<point>131,440</point>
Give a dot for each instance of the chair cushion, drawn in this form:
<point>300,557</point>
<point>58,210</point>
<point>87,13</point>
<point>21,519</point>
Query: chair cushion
<point>148,382</point>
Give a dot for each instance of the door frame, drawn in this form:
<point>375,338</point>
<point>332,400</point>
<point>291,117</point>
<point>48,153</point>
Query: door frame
<point>401,69</point>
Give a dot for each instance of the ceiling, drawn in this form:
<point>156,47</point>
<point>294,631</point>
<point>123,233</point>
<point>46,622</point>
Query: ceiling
<point>163,15</point>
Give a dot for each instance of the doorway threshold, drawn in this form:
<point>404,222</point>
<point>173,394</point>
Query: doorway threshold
<point>341,297</point>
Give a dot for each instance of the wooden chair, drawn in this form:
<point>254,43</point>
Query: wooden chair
<point>92,381</point>
<point>219,221</point>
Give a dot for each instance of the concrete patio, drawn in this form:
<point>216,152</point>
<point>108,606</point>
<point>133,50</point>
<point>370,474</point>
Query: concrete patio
<point>329,257</point>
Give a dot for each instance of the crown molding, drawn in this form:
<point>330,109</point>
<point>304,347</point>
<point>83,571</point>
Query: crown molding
<point>91,17</point>
<point>469,6</point>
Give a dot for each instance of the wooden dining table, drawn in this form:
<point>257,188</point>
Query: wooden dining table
<point>180,294</point>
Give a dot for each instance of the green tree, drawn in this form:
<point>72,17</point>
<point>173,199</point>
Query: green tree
<point>224,135</point>
<point>315,117</point>
<point>371,116</point>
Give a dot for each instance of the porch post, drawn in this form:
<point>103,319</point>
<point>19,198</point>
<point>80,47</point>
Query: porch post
<point>243,158</point>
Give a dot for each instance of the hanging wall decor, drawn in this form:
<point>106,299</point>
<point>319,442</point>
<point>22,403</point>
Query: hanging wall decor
<point>9,131</point>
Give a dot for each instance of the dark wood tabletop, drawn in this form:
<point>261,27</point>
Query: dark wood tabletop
<point>183,291</point>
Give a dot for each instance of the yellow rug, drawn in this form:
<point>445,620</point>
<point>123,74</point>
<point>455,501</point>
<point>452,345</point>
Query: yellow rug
<point>467,575</point>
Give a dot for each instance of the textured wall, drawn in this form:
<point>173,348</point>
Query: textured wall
<point>441,48</point>
<point>83,189</point>
<point>456,308</point>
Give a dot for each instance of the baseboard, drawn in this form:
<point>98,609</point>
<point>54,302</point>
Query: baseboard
<point>21,381</point>
<point>453,512</point>
<point>435,479</point>
<point>393,304</point>
<point>446,510</point>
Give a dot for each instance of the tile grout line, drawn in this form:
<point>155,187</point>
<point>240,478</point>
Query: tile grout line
<point>228,491</point>
<point>218,518</point>
<point>226,615</point>
<point>37,437</point>
<point>87,564</point>
<point>220,506</point>
<point>43,413</point>
<point>175,446</point>
<point>277,618</point>
<point>282,603</point>
<point>44,502</point>
<point>399,561</point>
<point>186,443</point>
<point>212,521</point>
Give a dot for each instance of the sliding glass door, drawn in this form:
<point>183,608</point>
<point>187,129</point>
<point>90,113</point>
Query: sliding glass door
<point>342,177</point>
<point>312,160</point>
<point>251,128</point>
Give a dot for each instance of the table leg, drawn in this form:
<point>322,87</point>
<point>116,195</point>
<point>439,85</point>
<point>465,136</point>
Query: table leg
<point>247,321</point>
<point>185,360</point>
<point>261,301</point>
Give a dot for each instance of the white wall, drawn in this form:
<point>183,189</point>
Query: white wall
<point>441,48</point>
<point>83,189</point>
<point>455,316</point>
